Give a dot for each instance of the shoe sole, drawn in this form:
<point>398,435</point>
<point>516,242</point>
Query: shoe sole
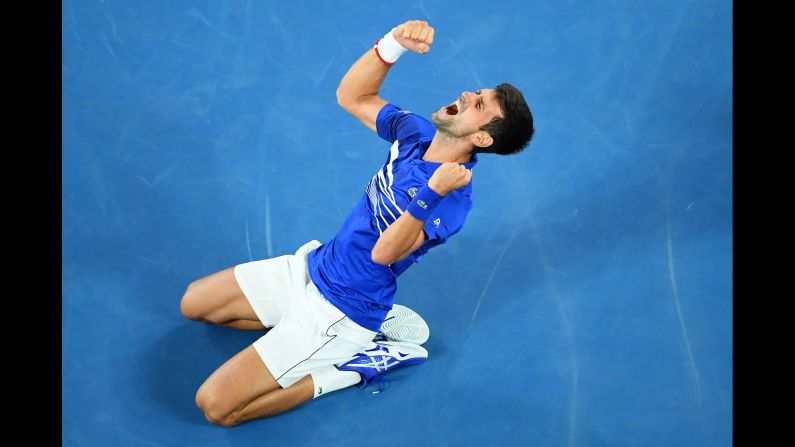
<point>404,325</point>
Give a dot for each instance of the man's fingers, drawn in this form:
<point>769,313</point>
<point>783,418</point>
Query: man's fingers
<point>468,177</point>
<point>415,31</point>
<point>429,38</point>
<point>406,30</point>
<point>407,27</point>
<point>424,34</point>
<point>421,33</point>
<point>416,35</point>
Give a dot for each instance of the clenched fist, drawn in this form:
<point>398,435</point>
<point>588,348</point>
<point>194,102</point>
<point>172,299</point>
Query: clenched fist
<point>414,35</point>
<point>449,177</point>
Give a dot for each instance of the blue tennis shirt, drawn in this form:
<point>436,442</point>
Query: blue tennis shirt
<point>342,269</point>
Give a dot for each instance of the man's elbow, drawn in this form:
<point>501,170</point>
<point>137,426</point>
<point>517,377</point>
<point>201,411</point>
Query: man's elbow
<point>344,99</point>
<point>380,258</point>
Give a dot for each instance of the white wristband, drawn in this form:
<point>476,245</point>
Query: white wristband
<point>388,49</point>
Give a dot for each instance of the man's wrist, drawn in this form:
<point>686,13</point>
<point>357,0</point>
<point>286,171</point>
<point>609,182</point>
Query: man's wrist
<point>424,203</point>
<point>388,49</point>
<point>437,190</point>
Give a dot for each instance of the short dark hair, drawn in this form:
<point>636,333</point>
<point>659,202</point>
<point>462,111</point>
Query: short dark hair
<point>513,131</point>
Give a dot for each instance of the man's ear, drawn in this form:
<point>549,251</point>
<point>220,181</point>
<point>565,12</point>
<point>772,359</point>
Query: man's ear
<point>482,139</point>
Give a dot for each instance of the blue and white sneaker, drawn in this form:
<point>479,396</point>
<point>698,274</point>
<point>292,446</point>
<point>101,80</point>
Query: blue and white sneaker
<point>404,325</point>
<point>380,357</point>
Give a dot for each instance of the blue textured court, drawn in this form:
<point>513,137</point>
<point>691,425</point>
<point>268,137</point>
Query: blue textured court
<point>586,302</point>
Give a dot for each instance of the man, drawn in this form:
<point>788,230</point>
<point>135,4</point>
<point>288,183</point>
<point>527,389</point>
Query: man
<point>326,303</point>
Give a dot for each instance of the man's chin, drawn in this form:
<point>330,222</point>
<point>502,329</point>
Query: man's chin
<point>438,121</point>
<point>443,127</point>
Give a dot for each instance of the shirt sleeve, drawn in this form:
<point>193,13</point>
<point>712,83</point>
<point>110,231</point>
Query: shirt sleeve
<point>395,124</point>
<point>447,219</point>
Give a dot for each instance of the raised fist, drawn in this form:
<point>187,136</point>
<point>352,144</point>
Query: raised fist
<point>449,177</point>
<point>414,35</point>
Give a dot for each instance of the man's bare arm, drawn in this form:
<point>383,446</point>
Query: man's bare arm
<point>358,90</point>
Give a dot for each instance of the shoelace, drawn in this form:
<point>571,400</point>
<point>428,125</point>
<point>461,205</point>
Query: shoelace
<point>382,383</point>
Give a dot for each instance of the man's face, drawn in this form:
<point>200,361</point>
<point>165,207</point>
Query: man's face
<point>467,114</point>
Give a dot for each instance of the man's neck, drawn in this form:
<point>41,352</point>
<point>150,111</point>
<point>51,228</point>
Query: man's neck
<point>446,149</point>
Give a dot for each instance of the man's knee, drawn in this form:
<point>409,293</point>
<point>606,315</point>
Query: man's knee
<point>189,305</point>
<point>211,404</point>
<point>224,420</point>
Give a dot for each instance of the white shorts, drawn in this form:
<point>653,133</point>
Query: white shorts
<point>307,331</point>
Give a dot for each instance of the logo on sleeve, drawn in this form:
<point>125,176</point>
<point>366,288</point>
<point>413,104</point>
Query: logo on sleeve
<point>413,191</point>
<point>437,221</point>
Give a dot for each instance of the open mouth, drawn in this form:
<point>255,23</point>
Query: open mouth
<point>452,109</point>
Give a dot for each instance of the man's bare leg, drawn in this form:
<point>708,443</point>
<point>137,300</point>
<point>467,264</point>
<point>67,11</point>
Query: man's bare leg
<point>243,389</point>
<point>218,299</point>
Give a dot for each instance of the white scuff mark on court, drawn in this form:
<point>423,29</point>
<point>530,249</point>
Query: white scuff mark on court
<point>628,124</point>
<point>690,205</point>
<point>317,79</point>
<point>198,16</point>
<point>191,47</point>
<point>478,82</point>
<point>243,191</point>
<point>343,46</point>
<point>311,210</point>
<point>607,142</point>
<point>672,276</point>
<point>268,223</point>
<point>665,45</point>
<point>493,271</point>
<point>122,136</point>
<point>421,89</point>
<point>109,17</point>
<point>106,44</point>
<point>159,178</point>
<point>143,179</point>
<point>164,174</point>
<point>144,258</point>
<point>575,384</point>
<point>568,333</point>
<point>425,11</point>
<point>77,221</point>
<point>248,243</point>
<point>124,428</point>
<point>561,272</point>
<point>145,441</point>
<point>66,328</point>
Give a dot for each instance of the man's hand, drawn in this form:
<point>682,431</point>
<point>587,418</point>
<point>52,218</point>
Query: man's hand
<point>414,35</point>
<point>449,177</point>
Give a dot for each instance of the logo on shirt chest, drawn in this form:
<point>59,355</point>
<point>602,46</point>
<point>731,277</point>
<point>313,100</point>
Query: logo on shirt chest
<point>412,191</point>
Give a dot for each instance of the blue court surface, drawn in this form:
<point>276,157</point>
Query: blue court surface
<point>586,302</point>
